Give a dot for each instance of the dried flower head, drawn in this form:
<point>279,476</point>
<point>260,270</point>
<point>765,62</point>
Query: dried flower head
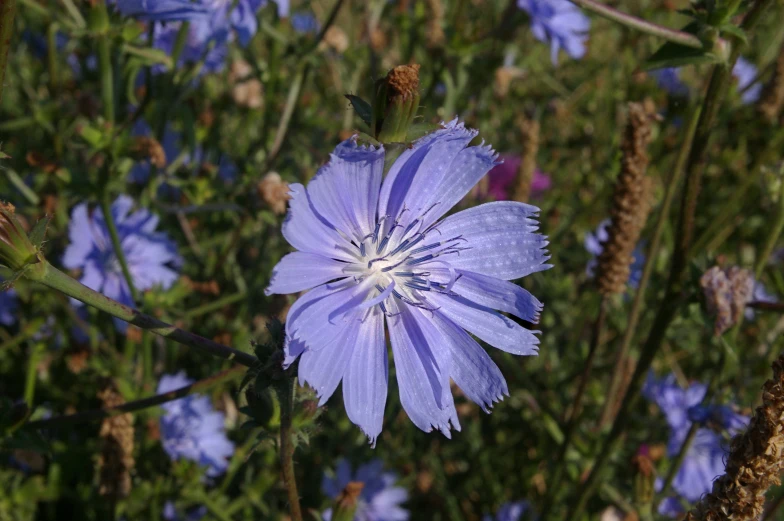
<point>336,39</point>
<point>727,291</point>
<point>116,460</point>
<point>274,191</point>
<point>246,90</point>
<point>145,147</point>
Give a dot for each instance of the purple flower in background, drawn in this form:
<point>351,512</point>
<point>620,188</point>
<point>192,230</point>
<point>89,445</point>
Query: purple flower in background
<point>152,256</point>
<point>669,79</point>
<point>375,251</point>
<point>192,429</point>
<point>509,512</point>
<point>500,180</point>
<point>594,244</point>
<point>380,500</point>
<point>140,172</point>
<point>559,22</point>
<point>164,10</point>
<point>761,294</point>
<point>170,513</point>
<point>746,73</point>
<point>8,306</point>
<point>305,23</point>
<point>705,458</point>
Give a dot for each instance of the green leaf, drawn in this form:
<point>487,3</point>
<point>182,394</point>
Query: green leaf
<point>676,55</point>
<point>38,234</point>
<point>362,108</point>
<point>735,31</point>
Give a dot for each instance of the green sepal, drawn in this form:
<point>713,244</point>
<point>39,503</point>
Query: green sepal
<point>38,234</point>
<point>734,31</point>
<point>363,109</point>
<point>676,55</point>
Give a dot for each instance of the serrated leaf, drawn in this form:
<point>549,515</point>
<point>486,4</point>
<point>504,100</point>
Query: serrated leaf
<point>676,55</point>
<point>38,234</point>
<point>361,107</point>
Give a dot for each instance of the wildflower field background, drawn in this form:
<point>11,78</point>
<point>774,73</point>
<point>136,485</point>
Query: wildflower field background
<point>164,153</point>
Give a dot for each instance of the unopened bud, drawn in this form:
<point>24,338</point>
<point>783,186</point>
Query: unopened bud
<point>347,501</point>
<point>396,103</point>
<point>16,249</point>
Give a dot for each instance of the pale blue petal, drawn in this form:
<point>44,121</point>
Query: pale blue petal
<point>299,271</point>
<point>366,379</point>
<point>500,237</point>
<point>79,235</point>
<point>309,232</point>
<point>487,324</point>
<point>498,294</point>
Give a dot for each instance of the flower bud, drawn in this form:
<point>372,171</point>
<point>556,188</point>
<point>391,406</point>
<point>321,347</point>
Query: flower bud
<point>347,501</point>
<point>396,104</point>
<point>16,249</point>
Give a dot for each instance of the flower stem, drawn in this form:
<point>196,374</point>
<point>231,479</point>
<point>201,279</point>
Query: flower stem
<point>773,235</point>
<point>285,390</point>
<point>616,383</point>
<point>680,37</point>
<point>56,279</point>
<point>7,12</point>
<point>571,423</point>
<point>145,403</point>
<point>100,24</point>
<point>674,297</point>
<point>32,371</point>
<point>106,208</point>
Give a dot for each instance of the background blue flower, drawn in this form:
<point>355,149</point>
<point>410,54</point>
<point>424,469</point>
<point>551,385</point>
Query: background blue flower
<point>8,306</point>
<point>192,429</point>
<point>746,73</point>
<point>559,22</point>
<point>509,512</point>
<point>380,500</point>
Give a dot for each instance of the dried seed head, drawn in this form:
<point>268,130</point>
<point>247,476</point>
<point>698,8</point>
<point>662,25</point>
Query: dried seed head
<point>772,98</point>
<point>147,148</point>
<point>116,460</point>
<point>336,39</point>
<point>727,292</point>
<point>275,192</point>
<point>529,134</point>
<point>631,204</point>
<point>246,90</point>
<point>755,462</point>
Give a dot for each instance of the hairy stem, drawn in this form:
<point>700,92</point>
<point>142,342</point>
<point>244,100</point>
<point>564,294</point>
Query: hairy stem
<point>56,279</point>
<point>145,403</point>
<point>7,12</point>
<point>689,40</point>
<point>285,390</point>
<point>616,384</point>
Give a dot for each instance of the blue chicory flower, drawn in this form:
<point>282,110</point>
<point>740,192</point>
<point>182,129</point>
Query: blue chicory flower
<point>559,22</point>
<point>705,458</point>
<point>152,257</point>
<point>305,23</point>
<point>509,512</point>
<point>746,73</point>
<point>379,500</point>
<point>375,251</point>
<point>164,10</point>
<point>669,79</point>
<point>192,429</point>
<point>170,513</point>
<point>8,306</point>
<point>594,244</point>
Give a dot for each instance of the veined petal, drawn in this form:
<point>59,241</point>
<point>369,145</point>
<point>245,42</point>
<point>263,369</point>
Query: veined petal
<point>345,191</point>
<point>299,271</point>
<point>500,239</point>
<point>497,294</point>
<point>366,379</point>
<point>472,369</point>
<point>419,377</point>
<point>323,369</point>
<point>487,324</point>
<point>308,231</point>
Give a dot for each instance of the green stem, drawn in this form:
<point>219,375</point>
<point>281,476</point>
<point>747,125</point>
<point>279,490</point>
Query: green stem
<point>56,279</point>
<point>616,382</point>
<point>680,37</point>
<point>106,208</point>
<point>20,185</point>
<point>29,331</point>
<point>673,298</point>
<point>288,112</point>
<point>53,59</point>
<point>572,421</point>
<point>145,403</point>
<point>147,358</point>
<point>333,14</point>
<point>217,304</point>
<point>32,371</point>
<point>773,235</point>
<point>7,12</point>
<point>100,24</point>
<point>285,390</point>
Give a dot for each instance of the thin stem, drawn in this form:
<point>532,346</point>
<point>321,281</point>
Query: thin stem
<point>333,14</point>
<point>770,512</point>
<point>673,298</point>
<point>101,21</point>
<point>56,279</point>
<point>616,383</point>
<point>7,12</point>
<point>216,304</point>
<point>108,217</point>
<point>678,461</point>
<point>571,424</point>
<point>288,112</point>
<point>285,391</point>
<point>32,371</point>
<point>773,236</point>
<point>768,306</point>
<point>138,405</point>
<point>680,37</point>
